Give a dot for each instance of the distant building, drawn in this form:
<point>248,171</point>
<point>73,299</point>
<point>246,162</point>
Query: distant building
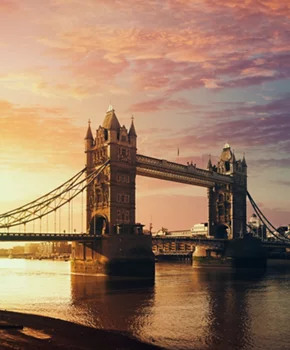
<point>162,232</point>
<point>62,248</point>
<point>4,252</point>
<point>31,249</point>
<point>17,251</point>
<point>46,249</point>
<point>258,229</point>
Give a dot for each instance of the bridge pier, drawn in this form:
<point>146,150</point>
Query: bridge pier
<point>125,255</point>
<point>200,252</point>
<point>207,253</point>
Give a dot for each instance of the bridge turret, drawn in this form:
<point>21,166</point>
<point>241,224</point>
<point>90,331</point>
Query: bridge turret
<point>89,143</point>
<point>112,125</point>
<point>132,134</point>
<point>209,164</point>
<point>89,140</point>
<point>244,164</point>
<point>227,162</point>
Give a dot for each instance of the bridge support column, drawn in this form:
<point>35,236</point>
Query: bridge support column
<point>200,252</point>
<point>121,255</point>
<point>211,211</point>
<point>209,254</point>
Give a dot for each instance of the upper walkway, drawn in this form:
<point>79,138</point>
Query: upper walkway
<point>188,174</point>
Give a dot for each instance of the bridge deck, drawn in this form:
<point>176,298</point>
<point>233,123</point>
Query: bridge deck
<point>46,237</point>
<point>83,237</point>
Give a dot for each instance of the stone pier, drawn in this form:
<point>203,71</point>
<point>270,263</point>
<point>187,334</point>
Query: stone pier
<point>125,255</point>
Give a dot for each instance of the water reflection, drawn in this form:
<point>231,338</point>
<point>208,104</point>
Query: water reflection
<point>186,308</point>
<point>111,304</point>
<point>228,316</point>
<point>205,308</point>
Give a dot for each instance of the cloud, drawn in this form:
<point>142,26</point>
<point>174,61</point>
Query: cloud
<point>7,5</point>
<point>194,45</point>
<point>210,83</point>
<point>275,163</point>
<point>164,103</point>
<point>256,129</point>
<point>165,47</point>
<point>36,138</point>
<point>284,182</point>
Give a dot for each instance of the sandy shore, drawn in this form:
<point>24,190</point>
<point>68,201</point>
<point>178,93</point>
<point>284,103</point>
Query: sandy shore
<point>48,333</point>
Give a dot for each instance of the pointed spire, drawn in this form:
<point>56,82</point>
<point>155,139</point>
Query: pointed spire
<point>110,108</point>
<point>89,135</point>
<point>209,164</point>
<point>111,121</point>
<point>244,160</point>
<point>132,131</point>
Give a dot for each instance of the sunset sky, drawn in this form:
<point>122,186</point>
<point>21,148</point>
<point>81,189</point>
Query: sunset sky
<point>194,73</point>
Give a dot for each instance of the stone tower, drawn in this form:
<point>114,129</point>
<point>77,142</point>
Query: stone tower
<point>231,207</point>
<point>227,203</point>
<point>122,249</point>
<point>111,198</point>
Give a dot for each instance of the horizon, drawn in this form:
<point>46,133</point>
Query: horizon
<point>196,77</point>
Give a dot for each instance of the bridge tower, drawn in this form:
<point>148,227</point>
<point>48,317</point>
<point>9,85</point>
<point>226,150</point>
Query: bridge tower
<point>120,247</point>
<point>227,203</point>
<point>111,198</point>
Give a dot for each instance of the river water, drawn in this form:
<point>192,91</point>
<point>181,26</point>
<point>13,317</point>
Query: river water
<point>187,308</point>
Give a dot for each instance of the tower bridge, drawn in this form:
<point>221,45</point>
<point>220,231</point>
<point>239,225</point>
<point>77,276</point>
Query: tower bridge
<point>112,241</point>
<point>111,198</point>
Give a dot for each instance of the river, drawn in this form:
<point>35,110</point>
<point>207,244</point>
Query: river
<point>187,308</point>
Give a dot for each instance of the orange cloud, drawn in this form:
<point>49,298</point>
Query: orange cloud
<point>7,5</point>
<point>38,138</point>
<point>194,45</point>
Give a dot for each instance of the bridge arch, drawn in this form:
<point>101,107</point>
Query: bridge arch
<point>222,231</point>
<point>98,225</point>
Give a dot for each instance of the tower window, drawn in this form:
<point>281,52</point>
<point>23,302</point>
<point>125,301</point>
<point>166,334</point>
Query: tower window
<point>123,178</point>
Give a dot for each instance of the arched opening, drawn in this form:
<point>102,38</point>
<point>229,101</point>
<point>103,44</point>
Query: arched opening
<point>98,225</point>
<point>221,231</point>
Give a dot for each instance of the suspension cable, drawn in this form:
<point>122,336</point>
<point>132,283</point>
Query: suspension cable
<point>263,218</point>
<point>31,204</point>
<point>258,212</point>
<point>82,213</point>
<point>43,208</point>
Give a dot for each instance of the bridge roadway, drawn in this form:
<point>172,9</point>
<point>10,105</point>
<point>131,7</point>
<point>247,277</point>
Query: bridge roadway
<point>47,237</point>
<point>211,241</point>
<point>83,237</point>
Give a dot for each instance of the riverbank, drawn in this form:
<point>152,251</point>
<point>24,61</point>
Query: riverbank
<point>41,332</point>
